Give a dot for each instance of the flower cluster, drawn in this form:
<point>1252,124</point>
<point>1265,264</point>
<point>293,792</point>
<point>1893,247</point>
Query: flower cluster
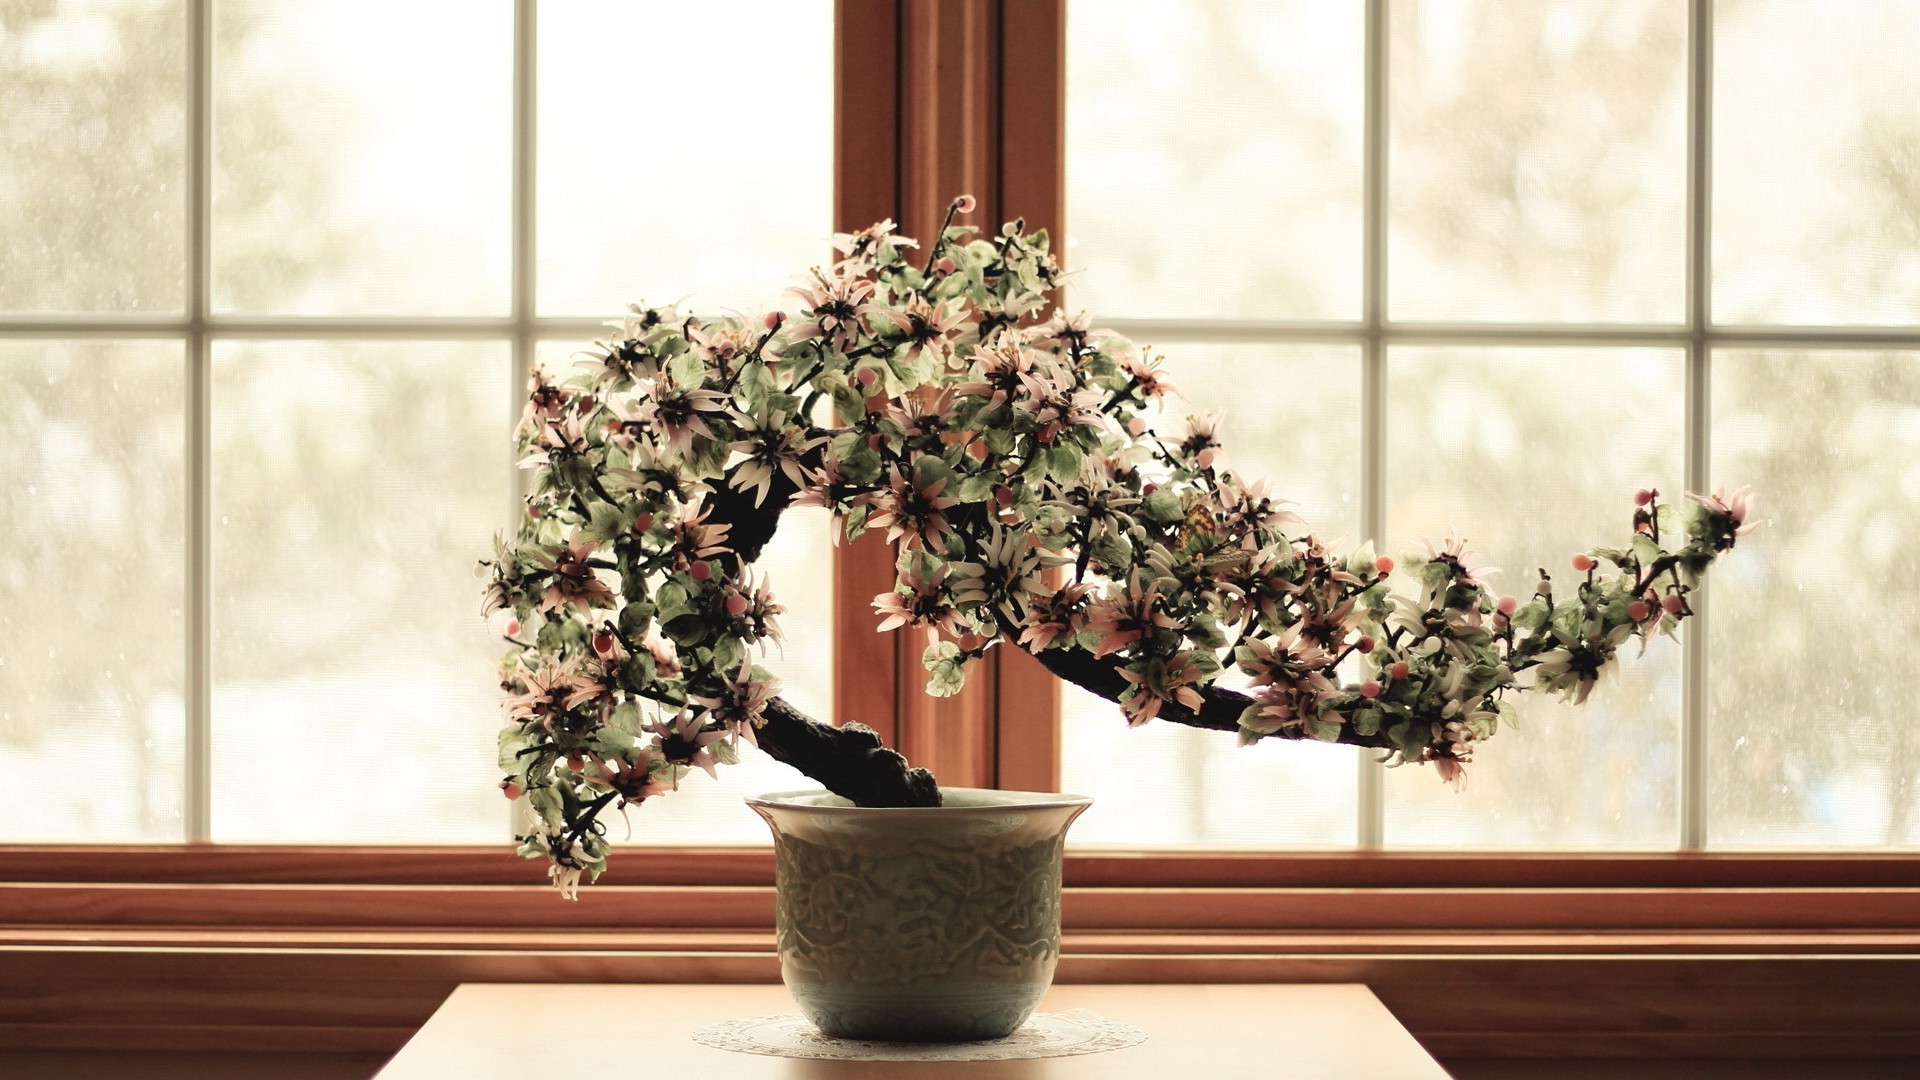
<point>1013,457</point>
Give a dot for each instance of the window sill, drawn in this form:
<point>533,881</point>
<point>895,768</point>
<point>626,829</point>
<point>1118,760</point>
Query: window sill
<point>1483,956</point>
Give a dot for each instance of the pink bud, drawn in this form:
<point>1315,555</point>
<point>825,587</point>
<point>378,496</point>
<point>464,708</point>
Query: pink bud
<point>701,571</point>
<point>1002,495</point>
<point>511,789</point>
<point>642,522</point>
<point>513,628</point>
<point>1507,605</point>
<point>1398,670</point>
<point>945,265</point>
<point>1583,562</point>
<point>964,204</point>
<point>534,511</point>
<point>775,318</point>
<point>1383,565</point>
<point>1136,427</point>
<point>867,378</point>
<point>1204,458</point>
<point>1673,604</point>
<point>603,644</point>
<point>1644,496</point>
<point>1364,645</point>
<point>1369,689</point>
<point>1638,611</point>
<point>736,604</point>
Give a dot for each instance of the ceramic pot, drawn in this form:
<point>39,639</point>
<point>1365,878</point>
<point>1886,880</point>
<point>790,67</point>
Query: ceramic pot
<point>923,924</point>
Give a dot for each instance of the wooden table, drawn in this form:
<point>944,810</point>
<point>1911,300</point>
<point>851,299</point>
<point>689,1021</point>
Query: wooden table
<point>1332,1031</point>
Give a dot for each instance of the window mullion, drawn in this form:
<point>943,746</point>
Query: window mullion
<point>525,146</point>
<point>1693,714</point>
<point>198,760</point>
<point>1371,788</point>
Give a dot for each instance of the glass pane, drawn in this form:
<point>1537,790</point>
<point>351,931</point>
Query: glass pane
<point>92,155</point>
<point>355,486</point>
<point>1811,740</point>
<point>1816,162</point>
<point>661,177</point>
<point>1531,455</point>
<point>798,566</point>
<point>1213,158</point>
<point>1292,416</point>
<point>362,159</point>
<point>1539,160</point>
<point>92,568</point>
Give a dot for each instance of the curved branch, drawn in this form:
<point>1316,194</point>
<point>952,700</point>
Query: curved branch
<point>1220,712</point>
<point>849,761</point>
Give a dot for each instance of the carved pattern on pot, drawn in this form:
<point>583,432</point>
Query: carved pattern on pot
<point>958,911</point>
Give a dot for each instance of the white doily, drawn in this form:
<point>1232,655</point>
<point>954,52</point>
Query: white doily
<point>1076,1031</point>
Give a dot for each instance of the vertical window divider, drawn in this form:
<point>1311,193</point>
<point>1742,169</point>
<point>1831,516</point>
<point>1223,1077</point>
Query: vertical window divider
<point>526,22</point>
<point>1698,406</point>
<point>1370,790</point>
<point>526,18</point>
<point>198,614</point>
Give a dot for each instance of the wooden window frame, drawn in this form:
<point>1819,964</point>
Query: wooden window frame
<point>348,948</point>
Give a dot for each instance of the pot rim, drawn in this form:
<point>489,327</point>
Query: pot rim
<point>1016,801</point>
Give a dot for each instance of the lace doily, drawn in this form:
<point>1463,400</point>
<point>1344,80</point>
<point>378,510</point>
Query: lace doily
<point>1076,1031</point>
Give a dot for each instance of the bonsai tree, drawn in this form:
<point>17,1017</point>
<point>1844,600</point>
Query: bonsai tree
<point>1016,459</point>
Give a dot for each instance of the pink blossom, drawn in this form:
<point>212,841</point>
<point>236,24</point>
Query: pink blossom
<point>1156,682</point>
<point>684,740</point>
<point>1128,616</point>
<point>1054,616</point>
<point>913,512</point>
<point>572,582</point>
<point>926,604</point>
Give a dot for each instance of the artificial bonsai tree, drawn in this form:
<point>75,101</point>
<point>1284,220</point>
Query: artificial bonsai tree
<point>1015,457</point>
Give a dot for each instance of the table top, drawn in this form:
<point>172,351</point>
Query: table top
<point>1335,1031</point>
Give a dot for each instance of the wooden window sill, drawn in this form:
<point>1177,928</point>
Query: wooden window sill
<point>294,949</point>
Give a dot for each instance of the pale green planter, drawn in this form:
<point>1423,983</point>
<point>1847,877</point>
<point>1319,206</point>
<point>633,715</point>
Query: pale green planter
<point>926,924</point>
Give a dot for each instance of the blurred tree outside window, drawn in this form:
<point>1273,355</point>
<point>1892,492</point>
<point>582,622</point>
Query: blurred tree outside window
<point>1531,344</point>
<point>359,379</point>
<point>1524,361</point>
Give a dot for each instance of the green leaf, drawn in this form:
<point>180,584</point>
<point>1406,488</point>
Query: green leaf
<point>1531,616</point>
<point>635,618</point>
<point>1063,463</point>
<point>946,676</point>
<point>687,370</point>
<point>605,521</point>
<point>727,653</point>
<point>1162,505</point>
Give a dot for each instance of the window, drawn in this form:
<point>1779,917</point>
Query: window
<point>318,262</point>
<point>272,278</point>
<point>1487,267</point>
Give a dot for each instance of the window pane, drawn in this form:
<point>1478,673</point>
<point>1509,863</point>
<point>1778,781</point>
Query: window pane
<point>1292,416</point>
<point>729,210</point>
<point>1811,739</point>
<point>1816,162</point>
<point>1539,160</point>
<point>92,155</point>
<point>355,487</point>
<point>1213,158</point>
<point>1532,455</point>
<point>362,157</point>
<point>798,566</point>
<point>92,521</point>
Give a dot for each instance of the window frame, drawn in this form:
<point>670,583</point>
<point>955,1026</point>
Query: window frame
<point>932,98</point>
